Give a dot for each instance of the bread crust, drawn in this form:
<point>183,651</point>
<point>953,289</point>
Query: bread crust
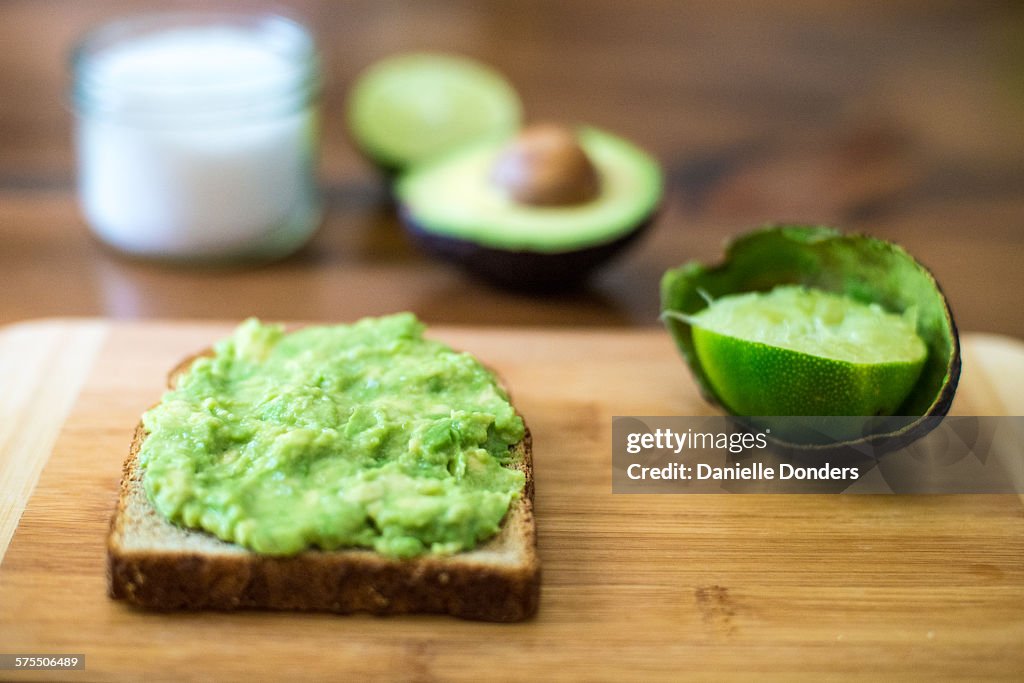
<point>155,564</point>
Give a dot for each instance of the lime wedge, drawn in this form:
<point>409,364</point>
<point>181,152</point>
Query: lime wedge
<point>802,351</point>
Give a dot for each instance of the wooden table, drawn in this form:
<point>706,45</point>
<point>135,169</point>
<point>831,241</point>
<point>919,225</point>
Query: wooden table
<point>899,119</point>
<point>902,120</point>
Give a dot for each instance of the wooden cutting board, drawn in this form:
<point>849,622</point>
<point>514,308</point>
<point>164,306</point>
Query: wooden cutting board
<point>635,586</point>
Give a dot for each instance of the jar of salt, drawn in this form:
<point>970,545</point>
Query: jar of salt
<point>197,136</point>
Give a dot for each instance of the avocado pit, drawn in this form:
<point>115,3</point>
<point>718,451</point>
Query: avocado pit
<point>545,165</point>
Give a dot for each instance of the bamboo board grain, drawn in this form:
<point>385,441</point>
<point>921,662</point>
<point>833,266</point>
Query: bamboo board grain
<point>635,587</point>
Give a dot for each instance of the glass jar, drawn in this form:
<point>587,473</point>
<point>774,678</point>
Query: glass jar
<point>197,135</point>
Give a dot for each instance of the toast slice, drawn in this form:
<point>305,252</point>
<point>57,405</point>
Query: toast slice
<point>155,564</point>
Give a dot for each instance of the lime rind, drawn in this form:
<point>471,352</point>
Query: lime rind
<point>758,379</point>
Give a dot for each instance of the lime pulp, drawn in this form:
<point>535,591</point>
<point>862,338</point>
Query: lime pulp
<point>801,351</point>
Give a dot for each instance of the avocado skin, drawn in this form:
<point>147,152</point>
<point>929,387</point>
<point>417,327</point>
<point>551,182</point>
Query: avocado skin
<point>527,271</point>
<point>764,245</point>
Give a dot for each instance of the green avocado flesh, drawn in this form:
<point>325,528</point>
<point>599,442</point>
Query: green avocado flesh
<point>410,108</point>
<point>455,197</point>
<point>365,435</point>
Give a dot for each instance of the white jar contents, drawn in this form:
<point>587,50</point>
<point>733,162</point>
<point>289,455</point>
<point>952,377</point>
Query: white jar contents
<point>197,136</point>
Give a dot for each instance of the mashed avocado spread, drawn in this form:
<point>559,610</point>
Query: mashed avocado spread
<point>354,435</point>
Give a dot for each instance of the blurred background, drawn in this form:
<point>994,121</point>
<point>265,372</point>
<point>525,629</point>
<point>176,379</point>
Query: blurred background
<point>904,120</point>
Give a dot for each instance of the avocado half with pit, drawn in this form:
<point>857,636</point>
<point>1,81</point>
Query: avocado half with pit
<point>863,268</point>
<point>410,108</point>
<point>539,210</point>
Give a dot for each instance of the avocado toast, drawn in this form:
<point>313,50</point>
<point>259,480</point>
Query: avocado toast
<point>157,561</point>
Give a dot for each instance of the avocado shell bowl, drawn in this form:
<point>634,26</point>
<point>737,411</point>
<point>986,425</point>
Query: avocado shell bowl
<point>540,211</point>
<point>863,268</point>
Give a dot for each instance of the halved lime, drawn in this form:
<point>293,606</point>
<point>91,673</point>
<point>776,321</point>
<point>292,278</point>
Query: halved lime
<point>411,107</point>
<point>802,351</point>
